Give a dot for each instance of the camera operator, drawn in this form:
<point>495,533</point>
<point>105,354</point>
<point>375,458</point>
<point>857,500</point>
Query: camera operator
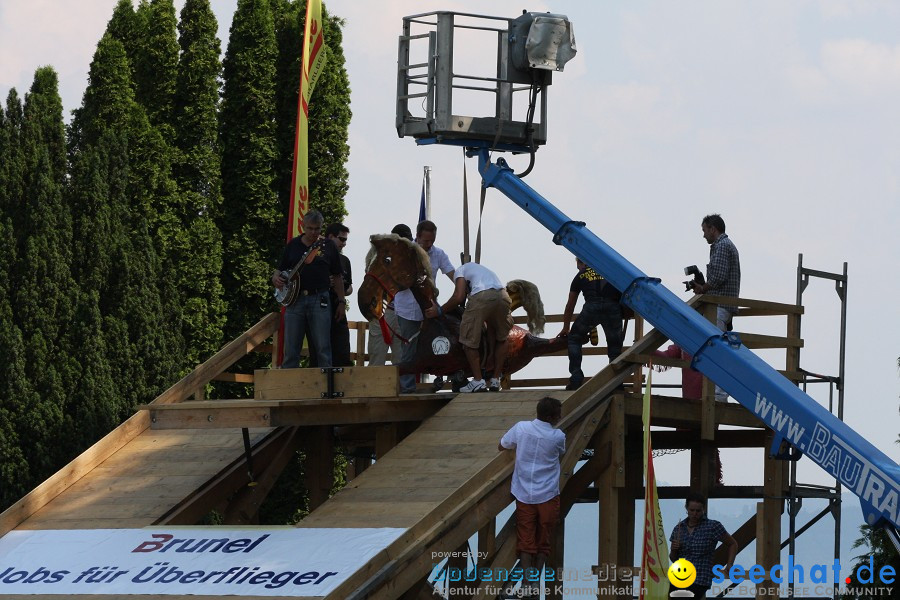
<point>723,275</point>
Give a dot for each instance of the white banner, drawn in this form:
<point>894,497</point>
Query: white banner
<point>209,561</point>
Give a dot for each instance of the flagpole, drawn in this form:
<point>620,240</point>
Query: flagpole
<point>428,193</point>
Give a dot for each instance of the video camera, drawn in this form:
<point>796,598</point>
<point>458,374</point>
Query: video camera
<point>698,277</point>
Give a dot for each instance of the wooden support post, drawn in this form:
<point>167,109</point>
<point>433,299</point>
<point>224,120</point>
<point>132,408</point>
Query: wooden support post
<point>386,437</point>
<point>708,399</point>
<point>703,467</point>
<point>768,522</point>
<point>275,341</point>
<point>362,329</point>
<point>319,466</point>
<point>614,499</point>
<point>637,379</point>
<point>457,566</point>
<point>487,542</point>
<point>556,563</point>
<point>792,358</point>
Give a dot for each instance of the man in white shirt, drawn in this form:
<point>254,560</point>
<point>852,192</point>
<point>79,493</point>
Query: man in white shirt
<point>535,484</point>
<point>409,315</point>
<point>488,303</point>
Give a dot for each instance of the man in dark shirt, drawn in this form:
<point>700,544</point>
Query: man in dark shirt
<point>340,329</point>
<point>310,315</point>
<point>601,307</point>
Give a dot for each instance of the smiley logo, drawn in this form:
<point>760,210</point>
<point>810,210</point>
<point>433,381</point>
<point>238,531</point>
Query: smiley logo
<point>682,573</point>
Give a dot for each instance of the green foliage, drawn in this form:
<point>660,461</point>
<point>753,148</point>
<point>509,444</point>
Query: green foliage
<point>16,395</point>
<point>196,248</point>
<point>156,65</point>
<point>252,222</point>
<point>881,552</point>
<point>120,237</point>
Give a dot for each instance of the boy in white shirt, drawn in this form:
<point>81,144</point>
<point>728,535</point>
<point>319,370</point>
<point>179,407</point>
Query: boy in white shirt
<point>535,483</point>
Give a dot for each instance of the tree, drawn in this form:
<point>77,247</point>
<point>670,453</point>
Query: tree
<point>124,266</point>
<point>156,65</point>
<point>251,222</point>
<point>44,286</point>
<point>197,247</point>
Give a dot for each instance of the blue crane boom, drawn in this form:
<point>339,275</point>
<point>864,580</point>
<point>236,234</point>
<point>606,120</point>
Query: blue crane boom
<point>795,417</point>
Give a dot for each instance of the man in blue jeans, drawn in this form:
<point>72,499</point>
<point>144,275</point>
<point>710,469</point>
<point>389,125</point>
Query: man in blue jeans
<point>310,315</point>
<point>601,307</point>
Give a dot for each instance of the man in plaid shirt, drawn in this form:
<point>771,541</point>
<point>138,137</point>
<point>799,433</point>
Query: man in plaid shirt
<point>723,275</point>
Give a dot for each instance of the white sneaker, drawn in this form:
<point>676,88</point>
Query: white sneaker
<point>494,385</point>
<point>476,385</point>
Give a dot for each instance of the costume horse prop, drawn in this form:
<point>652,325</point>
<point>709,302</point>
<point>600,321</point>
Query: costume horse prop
<point>394,264</point>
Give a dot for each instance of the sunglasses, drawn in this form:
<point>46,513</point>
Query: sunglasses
<point>343,239</point>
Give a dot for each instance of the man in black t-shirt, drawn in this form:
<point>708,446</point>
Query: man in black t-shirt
<point>310,315</point>
<point>340,329</point>
<point>601,307</point>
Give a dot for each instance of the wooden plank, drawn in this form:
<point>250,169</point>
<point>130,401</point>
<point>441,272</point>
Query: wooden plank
<point>784,309</point>
<point>756,340</point>
<point>354,382</point>
<point>235,377</point>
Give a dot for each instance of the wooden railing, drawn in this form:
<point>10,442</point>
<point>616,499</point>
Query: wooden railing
<point>706,305</point>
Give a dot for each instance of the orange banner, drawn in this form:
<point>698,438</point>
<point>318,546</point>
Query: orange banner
<point>655,553</point>
<point>312,64</point>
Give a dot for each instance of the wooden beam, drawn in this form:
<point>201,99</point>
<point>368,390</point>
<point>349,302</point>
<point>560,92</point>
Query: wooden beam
<point>215,414</point>
<point>319,465</point>
<point>353,382</point>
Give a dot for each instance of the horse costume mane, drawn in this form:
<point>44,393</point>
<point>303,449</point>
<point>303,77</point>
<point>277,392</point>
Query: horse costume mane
<point>525,294</point>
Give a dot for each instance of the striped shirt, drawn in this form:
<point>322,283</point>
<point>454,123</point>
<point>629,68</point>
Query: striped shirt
<point>723,273</point>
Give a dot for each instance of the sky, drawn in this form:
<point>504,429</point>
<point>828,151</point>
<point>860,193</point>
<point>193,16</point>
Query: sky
<point>780,116</point>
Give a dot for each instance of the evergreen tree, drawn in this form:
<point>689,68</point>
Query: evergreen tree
<point>44,286</point>
<point>329,114</point>
<point>197,250</point>
<point>12,168</point>
<point>251,222</point>
<point>124,266</point>
<point>125,25</point>
<point>16,395</point>
<point>156,64</point>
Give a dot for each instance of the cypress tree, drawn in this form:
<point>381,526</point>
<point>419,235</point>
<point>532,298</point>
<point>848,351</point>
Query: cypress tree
<point>124,267</point>
<point>197,251</point>
<point>156,64</point>
<point>329,115</point>
<point>43,296</point>
<point>125,25</point>
<point>251,222</point>
<point>12,168</point>
<point>16,395</point>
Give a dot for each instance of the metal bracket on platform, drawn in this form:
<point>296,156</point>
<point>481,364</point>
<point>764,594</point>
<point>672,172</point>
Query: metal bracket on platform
<point>782,449</point>
<point>329,372</point>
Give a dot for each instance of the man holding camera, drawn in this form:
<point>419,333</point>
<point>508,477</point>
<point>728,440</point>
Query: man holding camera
<point>723,275</point>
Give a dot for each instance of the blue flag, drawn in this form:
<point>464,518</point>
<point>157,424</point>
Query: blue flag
<point>422,204</point>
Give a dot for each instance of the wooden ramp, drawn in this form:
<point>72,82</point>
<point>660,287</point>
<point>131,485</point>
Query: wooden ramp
<point>144,480</point>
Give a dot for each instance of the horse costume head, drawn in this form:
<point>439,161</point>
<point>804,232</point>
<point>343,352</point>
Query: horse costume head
<point>395,264</point>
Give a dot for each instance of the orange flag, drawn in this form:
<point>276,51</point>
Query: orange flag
<point>312,64</point>
<point>655,553</point>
